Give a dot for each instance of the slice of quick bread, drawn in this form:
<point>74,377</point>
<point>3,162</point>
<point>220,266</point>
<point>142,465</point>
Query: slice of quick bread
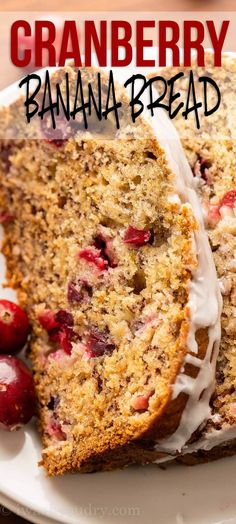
<point>105,245</point>
<point>211,152</point>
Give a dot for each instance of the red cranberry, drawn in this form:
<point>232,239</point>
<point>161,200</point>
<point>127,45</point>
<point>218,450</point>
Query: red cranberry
<point>47,320</point>
<point>229,199</point>
<point>6,217</point>
<point>64,129</point>
<point>59,327</point>
<point>60,134</point>
<point>78,294</point>
<point>139,237</point>
<point>94,256</point>
<point>54,429</point>
<point>141,402</point>
<point>98,343</point>
<point>64,318</point>
<point>73,294</point>
<point>213,214</point>
<point>14,327</point>
<point>106,250</point>
<point>63,336</point>
<point>17,393</point>
<point>50,320</point>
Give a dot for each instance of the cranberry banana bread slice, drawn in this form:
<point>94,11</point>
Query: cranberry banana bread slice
<point>108,255</point>
<point>211,152</point>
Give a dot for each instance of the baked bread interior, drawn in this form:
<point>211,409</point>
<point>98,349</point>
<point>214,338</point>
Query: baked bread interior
<point>107,252</point>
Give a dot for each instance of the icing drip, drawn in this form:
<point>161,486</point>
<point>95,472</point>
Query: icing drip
<point>208,441</point>
<point>204,304</point>
<point>211,439</point>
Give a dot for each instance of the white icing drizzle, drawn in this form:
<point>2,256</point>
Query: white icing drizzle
<point>205,302</point>
<point>208,441</point>
<point>211,439</point>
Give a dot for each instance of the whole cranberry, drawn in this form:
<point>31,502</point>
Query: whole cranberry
<point>17,393</point>
<point>14,327</point>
